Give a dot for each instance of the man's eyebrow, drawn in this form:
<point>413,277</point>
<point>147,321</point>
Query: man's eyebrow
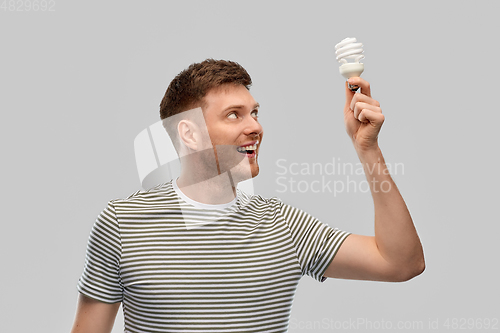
<point>238,106</point>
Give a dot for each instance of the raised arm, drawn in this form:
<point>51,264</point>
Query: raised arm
<point>395,252</point>
<point>94,316</point>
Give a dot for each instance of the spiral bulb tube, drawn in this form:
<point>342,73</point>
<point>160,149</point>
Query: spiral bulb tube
<point>349,49</point>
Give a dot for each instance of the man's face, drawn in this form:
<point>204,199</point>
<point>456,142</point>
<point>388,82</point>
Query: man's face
<point>231,118</point>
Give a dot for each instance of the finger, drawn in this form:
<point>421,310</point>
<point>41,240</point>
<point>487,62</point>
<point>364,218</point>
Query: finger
<point>363,84</point>
<point>363,98</point>
<point>359,106</point>
<point>375,118</point>
<point>365,102</point>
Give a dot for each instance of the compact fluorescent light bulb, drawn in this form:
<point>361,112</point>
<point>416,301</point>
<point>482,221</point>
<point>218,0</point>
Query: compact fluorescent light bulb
<point>349,49</point>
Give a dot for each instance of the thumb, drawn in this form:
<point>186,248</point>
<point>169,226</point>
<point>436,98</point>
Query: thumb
<point>348,96</point>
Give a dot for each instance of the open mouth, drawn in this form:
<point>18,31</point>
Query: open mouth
<point>249,150</point>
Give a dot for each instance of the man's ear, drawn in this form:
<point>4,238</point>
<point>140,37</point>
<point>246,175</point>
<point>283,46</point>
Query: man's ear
<point>189,135</point>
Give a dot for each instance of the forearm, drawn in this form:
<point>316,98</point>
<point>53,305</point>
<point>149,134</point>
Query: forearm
<point>395,234</point>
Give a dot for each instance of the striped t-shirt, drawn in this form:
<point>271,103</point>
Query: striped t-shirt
<point>181,266</point>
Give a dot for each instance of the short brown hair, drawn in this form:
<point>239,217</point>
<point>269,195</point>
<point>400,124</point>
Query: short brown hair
<point>189,87</point>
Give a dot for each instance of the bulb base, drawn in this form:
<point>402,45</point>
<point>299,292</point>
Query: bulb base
<point>351,69</point>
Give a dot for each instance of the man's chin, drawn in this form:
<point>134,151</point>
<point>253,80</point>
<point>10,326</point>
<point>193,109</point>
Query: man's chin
<point>239,175</point>
<point>256,172</point>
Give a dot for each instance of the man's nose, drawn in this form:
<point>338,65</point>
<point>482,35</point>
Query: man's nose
<point>252,126</point>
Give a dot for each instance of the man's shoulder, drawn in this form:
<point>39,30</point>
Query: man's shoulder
<point>162,193</point>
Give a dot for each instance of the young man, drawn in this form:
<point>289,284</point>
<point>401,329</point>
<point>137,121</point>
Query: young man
<point>196,254</point>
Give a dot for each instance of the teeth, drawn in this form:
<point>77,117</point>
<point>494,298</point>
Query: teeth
<point>245,148</point>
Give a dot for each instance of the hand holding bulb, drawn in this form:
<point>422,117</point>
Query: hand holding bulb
<point>349,49</point>
<point>362,114</point>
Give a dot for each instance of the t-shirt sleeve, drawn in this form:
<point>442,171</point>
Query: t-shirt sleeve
<point>100,279</point>
<point>316,243</point>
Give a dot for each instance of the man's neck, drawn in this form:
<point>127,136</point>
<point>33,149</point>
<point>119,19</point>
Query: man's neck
<point>213,191</point>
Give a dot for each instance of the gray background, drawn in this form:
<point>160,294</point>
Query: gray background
<point>79,83</point>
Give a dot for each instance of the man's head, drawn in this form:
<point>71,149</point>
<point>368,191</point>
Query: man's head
<point>213,85</point>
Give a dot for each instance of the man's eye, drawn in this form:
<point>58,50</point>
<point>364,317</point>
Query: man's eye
<point>255,114</point>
